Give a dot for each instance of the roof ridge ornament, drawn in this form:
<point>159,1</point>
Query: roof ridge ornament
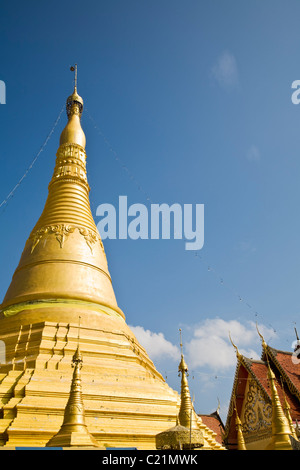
<point>264,344</point>
<point>238,354</point>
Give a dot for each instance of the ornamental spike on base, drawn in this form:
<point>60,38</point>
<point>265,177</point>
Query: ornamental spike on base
<point>74,432</point>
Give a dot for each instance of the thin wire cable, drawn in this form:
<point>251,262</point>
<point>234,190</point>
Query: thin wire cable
<point>212,375</point>
<point>117,158</point>
<point>12,192</point>
<point>209,268</point>
<point>241,298</point>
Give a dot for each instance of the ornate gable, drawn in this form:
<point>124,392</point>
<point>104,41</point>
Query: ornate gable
<point>252,396</point>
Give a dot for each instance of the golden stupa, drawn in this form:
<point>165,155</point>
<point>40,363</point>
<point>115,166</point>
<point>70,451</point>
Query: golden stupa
<point>187,433</point>
<point>63,276</point>
<point>190,432</point>
<point>74,431</point>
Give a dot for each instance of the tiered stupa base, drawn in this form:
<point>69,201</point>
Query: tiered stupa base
<point>126,401</point>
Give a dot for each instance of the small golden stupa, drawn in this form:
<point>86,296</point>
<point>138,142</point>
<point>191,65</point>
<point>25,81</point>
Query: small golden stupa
<point>74,431</point>
<point>186,434</point>
<point>281,430</point>
<point>240,436</point>
<point>190,432</point>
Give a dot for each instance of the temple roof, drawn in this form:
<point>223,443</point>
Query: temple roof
<point>287,367</point>
<point>214,422</point>
<point>287,381</point>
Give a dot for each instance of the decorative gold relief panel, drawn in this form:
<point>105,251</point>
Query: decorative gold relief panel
<point>62,231</point>
<point>256,412</point>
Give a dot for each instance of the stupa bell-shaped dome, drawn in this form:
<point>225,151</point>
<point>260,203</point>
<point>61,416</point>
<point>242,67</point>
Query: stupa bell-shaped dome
<point>73,132</point>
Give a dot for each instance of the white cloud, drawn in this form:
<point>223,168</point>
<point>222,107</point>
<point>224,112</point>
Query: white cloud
<point>253,154</point>
<point>225,71</point>
<point>209,354</point>
<point>211,346</point>
<point>156,345</point>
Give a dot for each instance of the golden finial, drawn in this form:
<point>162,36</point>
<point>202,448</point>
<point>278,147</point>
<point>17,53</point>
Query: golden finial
<point>74,69</point>
<point>280,425</point>
<point>74,431</point>
<point>240,435</point>
<point>286,409</point>
<point>74,99</point>
<point>239,428</point>
<point>182,368</point>
<point>219,406</point>
<point>187,415</point>
<point>181,345</point>
<point>77,358</point>
<point>264,344</point>
<point>73,133</point>
<point>238,354</point>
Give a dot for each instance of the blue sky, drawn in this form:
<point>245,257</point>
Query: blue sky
<point>185,102</point>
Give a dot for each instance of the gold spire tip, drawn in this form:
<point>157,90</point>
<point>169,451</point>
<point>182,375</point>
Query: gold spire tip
<point>74,69</point>
<point>73,133</point>
<point>264,344</point>
<point>238,355</point>
<point>180,341</point>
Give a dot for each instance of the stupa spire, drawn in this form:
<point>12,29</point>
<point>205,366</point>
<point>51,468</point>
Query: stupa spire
<point>280,425</point>
<point>186,413</point>
<point>64,259</point>
<point>73,133</point>
<point>186,434</point>
<point>239,428</point>
<point>286,409</point>
<point>74,431</point>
